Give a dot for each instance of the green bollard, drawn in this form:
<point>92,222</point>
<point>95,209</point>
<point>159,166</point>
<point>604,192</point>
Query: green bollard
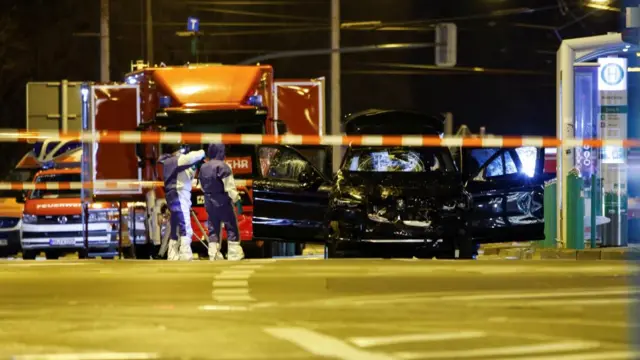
<point>550,215</point>
<point>575,211</point>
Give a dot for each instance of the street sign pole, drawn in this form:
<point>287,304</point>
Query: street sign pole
<point>104,43</point>
<point>446,47</point>
<point>149,24</point>
<point>193,31</point>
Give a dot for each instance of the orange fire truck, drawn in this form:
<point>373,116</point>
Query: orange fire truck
<point>201,98</point>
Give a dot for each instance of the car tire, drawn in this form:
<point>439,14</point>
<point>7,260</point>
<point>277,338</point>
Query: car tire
<point>52,255</point>
<point>29,254</point>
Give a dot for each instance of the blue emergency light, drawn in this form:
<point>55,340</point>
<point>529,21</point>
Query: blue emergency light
<point>164,101</point>
<point>255,100</point>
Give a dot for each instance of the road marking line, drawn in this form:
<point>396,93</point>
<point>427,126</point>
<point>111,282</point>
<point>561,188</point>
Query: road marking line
<point>567,302</point>
<point>611,355</point>
<point>324,345</point>
<point>439,296</point>
<point>51,263</point>
<point>230,283</point>
<point>512,295</point>
<point>566,322</point>
<point>223,308</point>
<point>231,291</point>
<point>398,339</point>
<point>233,298</point>
<point>247,267</point>
<point>88,356</point>
<point>234,275</point>
<point>509,350</point>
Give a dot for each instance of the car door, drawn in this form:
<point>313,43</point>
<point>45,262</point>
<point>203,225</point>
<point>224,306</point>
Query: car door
<point>507,186</point>
<point>290,198</point>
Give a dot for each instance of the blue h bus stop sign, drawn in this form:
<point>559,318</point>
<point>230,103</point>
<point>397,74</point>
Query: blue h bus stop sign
<point>193,24</point>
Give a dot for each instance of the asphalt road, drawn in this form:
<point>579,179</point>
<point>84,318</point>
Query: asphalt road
<point>312,309</point>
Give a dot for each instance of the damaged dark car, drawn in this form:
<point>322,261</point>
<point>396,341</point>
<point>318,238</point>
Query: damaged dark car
<point>398,201</point>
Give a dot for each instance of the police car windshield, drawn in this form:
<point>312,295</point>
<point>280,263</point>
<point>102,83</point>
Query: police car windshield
<point>56,194</point>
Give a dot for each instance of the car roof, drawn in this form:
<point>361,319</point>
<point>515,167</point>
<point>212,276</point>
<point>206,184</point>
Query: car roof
<point>398,122</point>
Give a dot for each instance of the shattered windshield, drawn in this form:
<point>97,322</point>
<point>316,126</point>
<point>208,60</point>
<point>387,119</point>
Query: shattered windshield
<point>399,160</point>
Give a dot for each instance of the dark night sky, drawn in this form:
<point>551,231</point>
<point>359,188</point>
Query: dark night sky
<point>37,42</point>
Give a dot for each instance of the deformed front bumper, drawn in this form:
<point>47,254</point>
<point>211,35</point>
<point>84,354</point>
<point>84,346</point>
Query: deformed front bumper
<point>356,225</point>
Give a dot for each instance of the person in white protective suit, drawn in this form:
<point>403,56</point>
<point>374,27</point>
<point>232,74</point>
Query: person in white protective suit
<point>221,196</point>
<point>178,173</point>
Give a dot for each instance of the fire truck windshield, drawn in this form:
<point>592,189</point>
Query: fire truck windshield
<point>56,194</point>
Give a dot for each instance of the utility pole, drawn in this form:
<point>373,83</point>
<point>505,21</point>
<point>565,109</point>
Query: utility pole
<point>104,41</point>
<point>336,112</point>
<point>149,34</point>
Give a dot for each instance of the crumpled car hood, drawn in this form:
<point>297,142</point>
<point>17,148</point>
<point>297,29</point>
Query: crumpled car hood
<point>436,185</point>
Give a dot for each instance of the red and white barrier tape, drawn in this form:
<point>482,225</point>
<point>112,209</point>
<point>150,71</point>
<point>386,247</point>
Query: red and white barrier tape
<point>136,137</point>
<point>96,185</point>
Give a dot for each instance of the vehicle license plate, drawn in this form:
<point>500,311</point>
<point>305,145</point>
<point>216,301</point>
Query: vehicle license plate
<point>62,242</point>
<point>4,242</point>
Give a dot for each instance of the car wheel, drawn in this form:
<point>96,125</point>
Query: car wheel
<point>29,254</point>
<point>52,255</point>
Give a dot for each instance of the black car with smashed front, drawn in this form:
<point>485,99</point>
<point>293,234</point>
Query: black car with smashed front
<point>398,200</point>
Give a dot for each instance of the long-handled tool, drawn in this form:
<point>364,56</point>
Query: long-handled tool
<point>204,232</point>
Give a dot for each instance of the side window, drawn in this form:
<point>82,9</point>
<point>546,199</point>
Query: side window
<point>495,168</point>
<point>479,157</point>
<point>528,156</point>
<point>502,165</point>
<point>280,163</point>
<point>317,156</point>
<point>509,165</point>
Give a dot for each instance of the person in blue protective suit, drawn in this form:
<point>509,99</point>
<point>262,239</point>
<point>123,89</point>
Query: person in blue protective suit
<point>178,173</point>
<point>220,196</point>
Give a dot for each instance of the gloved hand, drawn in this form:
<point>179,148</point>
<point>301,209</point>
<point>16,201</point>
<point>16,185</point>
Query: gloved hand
<point>238,206</point>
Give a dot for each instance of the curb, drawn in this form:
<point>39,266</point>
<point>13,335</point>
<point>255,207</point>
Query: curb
<point>565,254</point>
